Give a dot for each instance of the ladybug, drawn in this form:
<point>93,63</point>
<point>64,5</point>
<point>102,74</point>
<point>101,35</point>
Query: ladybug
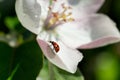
<point>55,45</point>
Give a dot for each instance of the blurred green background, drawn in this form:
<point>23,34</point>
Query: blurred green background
<point>21,58</point>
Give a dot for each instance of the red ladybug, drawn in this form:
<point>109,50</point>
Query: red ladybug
<point>55,45</point>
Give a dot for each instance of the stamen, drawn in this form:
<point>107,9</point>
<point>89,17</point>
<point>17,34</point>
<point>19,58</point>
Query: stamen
<point>63,5</point>
<point>64,16</point>
<point>71,19</point>
<point>69,7</point>
<point>55,0</point>
<point>55,14</point>
<point>50,8</point>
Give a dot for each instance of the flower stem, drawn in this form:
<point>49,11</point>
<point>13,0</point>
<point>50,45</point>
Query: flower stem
<point>51,71</point>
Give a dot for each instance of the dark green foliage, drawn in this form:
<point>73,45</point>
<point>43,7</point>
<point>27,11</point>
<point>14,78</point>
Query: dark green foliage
<point>22,63</point>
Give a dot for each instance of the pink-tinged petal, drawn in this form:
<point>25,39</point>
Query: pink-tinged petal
<point>100,42</point>
<point>82,8</point>
<point>66,58</point>
<point>103,32</point>
<point>28,12</point>
<point>89,6</point>
<point>92,32</point>
<point>74,34</point>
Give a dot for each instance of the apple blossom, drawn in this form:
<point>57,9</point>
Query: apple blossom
<point>63,26</point>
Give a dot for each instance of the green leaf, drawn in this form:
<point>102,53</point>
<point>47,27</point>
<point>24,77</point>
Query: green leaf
<point>6,54</point>
<point>11,22</point>
<point>51,72</point>
<point>22,63</point>
<point>63,75</point>
<point>28,62</point>
<point>107,67</point>
<point>44,73</point>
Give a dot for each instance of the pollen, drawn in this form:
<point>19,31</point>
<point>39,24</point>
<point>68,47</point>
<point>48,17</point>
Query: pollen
<point>63,16</point>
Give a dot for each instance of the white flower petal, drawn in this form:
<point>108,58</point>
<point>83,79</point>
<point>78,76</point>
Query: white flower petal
<point>57,5</point>
<point>44,9</point>
<point>28,12</point>
<point>66,58</point>
<point>103,32</point>
<point>85,7</point>
<point>90,33</point>
<point>74,34</point>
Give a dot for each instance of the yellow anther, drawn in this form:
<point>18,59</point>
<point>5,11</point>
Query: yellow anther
<point>63,16</point>
<point>71,19</point>
<point>52,21</point>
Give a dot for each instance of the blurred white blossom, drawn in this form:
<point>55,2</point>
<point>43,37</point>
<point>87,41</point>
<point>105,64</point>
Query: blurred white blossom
<point>64,26</point>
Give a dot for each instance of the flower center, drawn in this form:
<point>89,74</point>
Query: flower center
<point>59,17</point>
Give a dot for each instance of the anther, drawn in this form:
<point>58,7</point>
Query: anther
<point>49,8</point>
<point>63,16</point>
<point>63,5</point>
<point>55,0</point>
<point>55,14</point>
